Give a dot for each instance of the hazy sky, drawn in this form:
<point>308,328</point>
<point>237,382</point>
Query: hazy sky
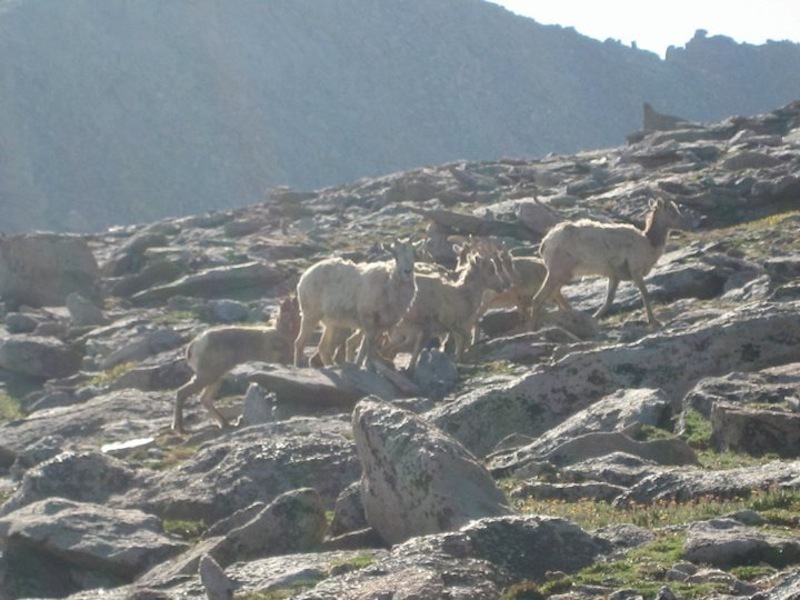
<point>656,25</point>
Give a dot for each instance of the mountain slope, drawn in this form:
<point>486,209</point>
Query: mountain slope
<point>120,111</point>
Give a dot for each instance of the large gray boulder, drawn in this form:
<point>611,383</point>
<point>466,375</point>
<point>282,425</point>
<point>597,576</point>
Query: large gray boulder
<point>247,279</point>
<point>616,412</point>
<point>42,269</point>
<point>773,385</point>
<point>253,464</point>
<point>39,357</point>
<point>293,522</point>
<point>115,417</point>
<point>90,536</point>
<point>726,543</point>
<point>417,480</point>
<point>479,560</point>
<point>684,485</point>
<point>750,338</point>
<point>755,431</point>
<point>79,476</point>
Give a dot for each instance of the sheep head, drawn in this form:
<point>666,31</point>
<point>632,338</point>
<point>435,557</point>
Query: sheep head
<point>667,215</point>
<point>403,252</point>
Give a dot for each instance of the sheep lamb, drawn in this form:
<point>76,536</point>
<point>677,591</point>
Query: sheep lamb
<point>367,298</point>
<point>620,252</point>
<point>217,350</point>
<point>449,307</point>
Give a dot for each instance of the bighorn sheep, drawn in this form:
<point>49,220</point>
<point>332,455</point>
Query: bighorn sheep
<point>217,350</point>
<point>369,297</point>
<point>529,274</point>
<point>620,252</point>
<point>526,274</point>
<point>450,307</point>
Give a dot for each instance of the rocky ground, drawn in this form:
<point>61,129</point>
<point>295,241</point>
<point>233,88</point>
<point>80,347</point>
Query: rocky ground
<point>348,483</point>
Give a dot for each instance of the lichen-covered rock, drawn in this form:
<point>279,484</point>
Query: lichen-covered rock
<point>773,385</point>
<point>79,476</point>
<point>755,431</point>
<point>615,412</point>
<point>477,561</point>
<point>254,464</point>
<point>293,522</point>
<point>749,338</point>
<point>90,536</point>
<point>726,543</point>
<point>417,480</point>
<point>683,485</point>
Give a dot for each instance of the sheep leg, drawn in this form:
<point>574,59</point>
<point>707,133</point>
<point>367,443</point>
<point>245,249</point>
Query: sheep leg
<point>611,291</point>
<point>351,345</point>
<point>306,327</point>
<point>207,400</point>
<point>460,340</point>
<point>561,301</point>
<point>651,318</point>
<point>327,345</point>
<point>549,287</point>
<point>365,349</point>
<point>416,350</point>
<point>186,391</point>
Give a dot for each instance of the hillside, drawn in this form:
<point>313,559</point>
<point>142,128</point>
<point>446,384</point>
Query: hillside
<point>120,112</point>
<point>588,458</point>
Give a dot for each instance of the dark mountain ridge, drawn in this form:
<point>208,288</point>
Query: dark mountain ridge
<point>120,112</point>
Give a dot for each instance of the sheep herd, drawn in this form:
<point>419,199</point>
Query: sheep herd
<point>372,311</point>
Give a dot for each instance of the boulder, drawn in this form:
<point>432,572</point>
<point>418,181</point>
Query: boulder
<point>42,269</point>
<point>39,357</point>
<point>83,311</point>
<point>592,445</point>
<point>616,468</point>
<point>755,431</point>
<point>253,464</point>
<point>293,522</point>
<point>258,406</point>
<point>770,386</point>
<point>337,388</point>
<point>749,338</point>
<point>245,280</point>
<point>567,492</point>
<point>688,484</point>
<point>85,477</point>
<point>140,344</point>
<point>113,417</point>
<point>214,580</point>
<point>726,543</point>
<point>616,412</point>
<point>90,536</point>
<point>348,513</point>
<point>479,560</point>
<point>417,480</point>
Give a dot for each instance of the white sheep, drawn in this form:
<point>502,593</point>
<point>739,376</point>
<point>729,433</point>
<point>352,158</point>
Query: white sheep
<point>368,297</point>
<point>620,252</point>
<point>217,350</point>
<point>442,306</point>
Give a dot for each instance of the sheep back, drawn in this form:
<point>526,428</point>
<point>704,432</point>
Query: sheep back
<point>217,350</point>
<point>340,292</point>
<point>587,247</point>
